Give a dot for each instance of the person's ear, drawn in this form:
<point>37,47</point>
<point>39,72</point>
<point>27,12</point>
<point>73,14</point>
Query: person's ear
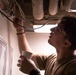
<point>67,43</point>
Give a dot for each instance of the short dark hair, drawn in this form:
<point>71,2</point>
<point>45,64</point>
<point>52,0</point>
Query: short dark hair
<point>69,26</point>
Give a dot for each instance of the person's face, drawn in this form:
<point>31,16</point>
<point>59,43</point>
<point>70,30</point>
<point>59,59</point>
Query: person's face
<point>57,37</point>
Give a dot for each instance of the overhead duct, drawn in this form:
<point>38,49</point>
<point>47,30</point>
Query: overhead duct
<point>53,7</point>
<point>67,4</point>
<point>37,7</point>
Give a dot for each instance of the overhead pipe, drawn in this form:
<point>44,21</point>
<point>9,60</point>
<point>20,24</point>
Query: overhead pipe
<point>67,4</point>
<point>53,7</point>
<point>37,7</point>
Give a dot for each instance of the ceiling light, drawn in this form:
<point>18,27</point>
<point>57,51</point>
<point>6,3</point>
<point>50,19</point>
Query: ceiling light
<point>72,10</point>
<point>43,29</point>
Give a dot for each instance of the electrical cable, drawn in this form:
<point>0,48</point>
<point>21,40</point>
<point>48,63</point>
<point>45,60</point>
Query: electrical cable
<point>21,25</point>
<point>10,19</point>
<point>4,3</point>
<point>20,10</point>
<point>8,8</point>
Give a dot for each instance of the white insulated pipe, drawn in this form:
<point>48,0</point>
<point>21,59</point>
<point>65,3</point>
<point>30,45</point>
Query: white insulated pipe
<point>67,4</point>
<point>53,7</point>
<point>37,7</point>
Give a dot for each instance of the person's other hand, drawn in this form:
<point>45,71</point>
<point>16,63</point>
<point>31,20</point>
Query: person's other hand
<point>26,65</point>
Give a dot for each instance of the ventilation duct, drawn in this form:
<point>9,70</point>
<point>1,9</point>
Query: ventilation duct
<point>20,8</point>
<point>53,7</point>
<point>67,4</point>
<point>37,6</point>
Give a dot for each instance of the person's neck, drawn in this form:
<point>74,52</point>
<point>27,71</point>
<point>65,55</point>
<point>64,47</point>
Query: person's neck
<point>64,54</point>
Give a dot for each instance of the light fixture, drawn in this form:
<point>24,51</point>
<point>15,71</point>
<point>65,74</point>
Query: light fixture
<point>43,29</point>
<point>72,10</point>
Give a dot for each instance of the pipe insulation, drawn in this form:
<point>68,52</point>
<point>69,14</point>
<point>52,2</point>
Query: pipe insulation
<point>53,7</point>
<point>67,4</point>
<point>37,7</point>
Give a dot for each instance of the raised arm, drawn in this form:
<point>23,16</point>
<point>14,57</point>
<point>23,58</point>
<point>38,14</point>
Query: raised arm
<point>22,41</point>
<point>25,64</point>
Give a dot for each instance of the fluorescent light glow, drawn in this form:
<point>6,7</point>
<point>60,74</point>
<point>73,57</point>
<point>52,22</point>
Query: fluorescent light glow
<point>71,10</point>
<point>44,29</point>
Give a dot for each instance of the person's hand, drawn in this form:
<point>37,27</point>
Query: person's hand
<point>18,23</point>
<point>26,65</point>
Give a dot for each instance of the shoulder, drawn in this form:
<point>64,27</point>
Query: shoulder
<point>52,56</point>
<point>46,57</point>
<point>70,68</point>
